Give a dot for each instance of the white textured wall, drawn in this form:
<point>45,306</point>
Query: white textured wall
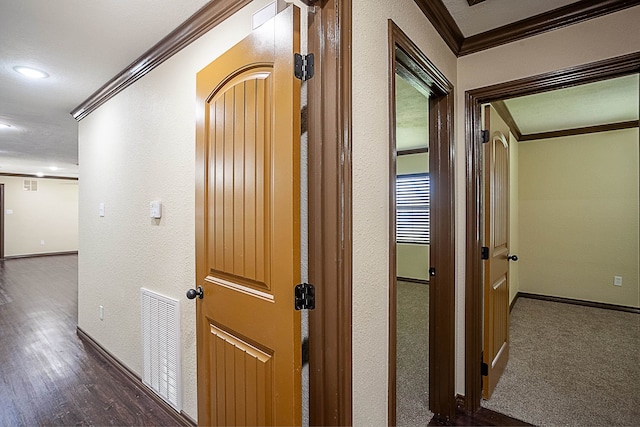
<point>579,217</point>
<point>590,41</point>
<point>138,147</point>
<point>370,190</point>
<point>49,214</point>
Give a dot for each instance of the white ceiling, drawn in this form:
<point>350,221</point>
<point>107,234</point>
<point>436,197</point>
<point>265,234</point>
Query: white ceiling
<point>599,103</point>
<point>82,44</point>
<point>412,116</point>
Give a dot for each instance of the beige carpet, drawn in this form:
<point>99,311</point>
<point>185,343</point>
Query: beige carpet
<point>571,366</point>
<point>412,375</point>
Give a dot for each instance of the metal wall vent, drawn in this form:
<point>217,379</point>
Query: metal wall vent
<point>30,185</point>
<point>161,346</point>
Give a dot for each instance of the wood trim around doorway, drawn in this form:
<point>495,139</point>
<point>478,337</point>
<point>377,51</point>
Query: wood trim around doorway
<point>442,400</point>
<point>582,74</point>
<point>330,235</point>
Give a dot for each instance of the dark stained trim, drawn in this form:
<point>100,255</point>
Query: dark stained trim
<point>41,255</point>
<point>393,254</point>
<point>473,267</point>
<point>473,2</point>
<point>504,112</point>
<point>180,418</point>
<point>574,13</point>
<point>597,71</point>
<point>483,417</point>
<point>554,19</point>
<point>459,402</point>
<point>580,131</point>
<point>513,303</point>
<point>573,76</point>
<point>330,227</point>
<point>441,299</point>
<point>583,303</point>
<point>437,13</point>
<point>413,151</point>
<point>24,175</point>
<point>208,17</point>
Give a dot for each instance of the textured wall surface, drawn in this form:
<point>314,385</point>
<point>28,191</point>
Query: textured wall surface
<point>371,190</point>
<point>49,214</point>
<point>139,147</point>
<point>579,217</point>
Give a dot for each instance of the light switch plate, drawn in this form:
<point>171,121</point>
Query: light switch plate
<point>155,209</point>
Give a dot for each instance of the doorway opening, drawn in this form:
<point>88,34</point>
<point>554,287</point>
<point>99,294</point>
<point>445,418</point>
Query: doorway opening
<point>421,233</point>
<point>497,96</point>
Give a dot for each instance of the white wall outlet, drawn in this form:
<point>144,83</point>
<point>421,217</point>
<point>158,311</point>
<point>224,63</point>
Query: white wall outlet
<point>41,242</point>
<point>617,280</point>
<point>101,209</point>
<point>9,212</point>
<point>101,312</point>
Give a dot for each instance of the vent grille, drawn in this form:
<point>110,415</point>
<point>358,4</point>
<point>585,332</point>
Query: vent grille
<point>30,185</point>
<point>161,346</point>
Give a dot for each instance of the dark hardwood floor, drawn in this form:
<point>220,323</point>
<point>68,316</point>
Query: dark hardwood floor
<point>483,417</point>
<point>48,376</point>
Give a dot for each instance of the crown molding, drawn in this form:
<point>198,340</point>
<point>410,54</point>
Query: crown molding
<point>580,131</point>
<point>208,17</point>
<point>439,16</point>
<point>437,13</point>
<point>504,112</point>
<point>32,176</point>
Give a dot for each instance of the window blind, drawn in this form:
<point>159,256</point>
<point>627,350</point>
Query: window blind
<point>412,208</point>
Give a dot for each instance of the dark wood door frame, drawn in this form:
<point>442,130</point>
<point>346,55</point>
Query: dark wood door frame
<point>330,236</point>
<point>402,51</point>
<point>601,70</point>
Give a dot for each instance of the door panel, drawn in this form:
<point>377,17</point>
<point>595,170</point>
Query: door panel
<point>496,236</point>
<point>248,231</point>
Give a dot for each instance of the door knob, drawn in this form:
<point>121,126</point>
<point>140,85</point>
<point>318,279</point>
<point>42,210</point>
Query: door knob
<point>198,292</point>
<point>509,257</point>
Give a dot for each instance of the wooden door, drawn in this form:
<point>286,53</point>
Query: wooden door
<point>496,238</point>
<point>248,231</point>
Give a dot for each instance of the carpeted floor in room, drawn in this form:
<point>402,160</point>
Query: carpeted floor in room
<point>571,365</point>
<point>412,376</point>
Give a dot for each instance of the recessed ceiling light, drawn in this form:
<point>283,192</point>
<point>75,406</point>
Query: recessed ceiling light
<point>32,73</point>
<point>4,126</point>
<point>39,174</point>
